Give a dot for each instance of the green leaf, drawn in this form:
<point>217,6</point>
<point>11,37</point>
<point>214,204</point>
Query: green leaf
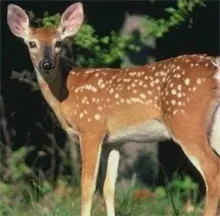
<point>170,10</point>
<point>160,192</point>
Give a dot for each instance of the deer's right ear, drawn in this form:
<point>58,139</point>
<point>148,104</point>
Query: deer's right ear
<point>18,21</point>
<point>71,20</point>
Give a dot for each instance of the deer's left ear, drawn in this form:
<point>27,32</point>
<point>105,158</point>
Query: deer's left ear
<point>71,20</point>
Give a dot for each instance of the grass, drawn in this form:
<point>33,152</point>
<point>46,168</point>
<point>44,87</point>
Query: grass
<point>65,201</point>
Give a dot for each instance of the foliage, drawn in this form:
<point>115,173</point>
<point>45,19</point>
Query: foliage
<point>65,200</point>
<point>179,189</point>
<point>17,172</point>
<point>158,27</point>
<point>18,168</point>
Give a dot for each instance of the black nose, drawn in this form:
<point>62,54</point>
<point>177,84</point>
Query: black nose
<point>47,65</point>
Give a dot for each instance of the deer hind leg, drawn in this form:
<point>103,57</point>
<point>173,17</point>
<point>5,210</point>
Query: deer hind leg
<point>110,181</point>
<point>91,145</point>
<point>211,175</point>
<point>193,140</point>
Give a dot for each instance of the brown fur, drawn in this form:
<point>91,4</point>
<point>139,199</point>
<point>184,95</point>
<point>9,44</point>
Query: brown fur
<point>43,34</point>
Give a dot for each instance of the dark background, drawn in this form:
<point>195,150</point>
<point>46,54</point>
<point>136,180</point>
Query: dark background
<point>23,109</point>
<point>201,37</point>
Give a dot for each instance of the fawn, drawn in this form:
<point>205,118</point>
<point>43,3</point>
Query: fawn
<point>177,98</point>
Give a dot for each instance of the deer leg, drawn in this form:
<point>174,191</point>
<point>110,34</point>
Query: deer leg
<point>110,181</point>
<point>91,145</point>
<point>209,167</point>
<point>195,145</point>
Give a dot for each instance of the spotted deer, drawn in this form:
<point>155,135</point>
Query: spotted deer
<point>177,98</point>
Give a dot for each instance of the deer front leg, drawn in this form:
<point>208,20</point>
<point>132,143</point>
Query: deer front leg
<point>91,144</point>
<point>110,180</point>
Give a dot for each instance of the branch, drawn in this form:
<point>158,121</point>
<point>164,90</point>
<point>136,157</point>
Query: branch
<point>158,27</point>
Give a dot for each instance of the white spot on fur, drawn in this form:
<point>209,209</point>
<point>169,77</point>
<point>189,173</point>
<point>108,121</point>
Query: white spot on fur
<point>86,87</point>
<point>179,87</point>
<point>97,116</point>
<point>116,95</point>
<point>136,100</point>
<point>111,91</point>
<point>187,81</point>
<point>143,96</point>
<point>173,92</point>
<point>173,102</point>
<point>199,81</point>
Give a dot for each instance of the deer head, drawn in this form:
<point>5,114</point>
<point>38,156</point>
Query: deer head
<point>44,44</point>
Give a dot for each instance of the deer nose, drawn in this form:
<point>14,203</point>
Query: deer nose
<point>47,64</point>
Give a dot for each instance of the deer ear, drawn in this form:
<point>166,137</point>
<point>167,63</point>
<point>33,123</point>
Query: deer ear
<point>18,21</point>
<point>71,20</point>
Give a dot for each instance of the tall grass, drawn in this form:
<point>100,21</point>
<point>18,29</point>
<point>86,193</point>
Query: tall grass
<point>177,198</point>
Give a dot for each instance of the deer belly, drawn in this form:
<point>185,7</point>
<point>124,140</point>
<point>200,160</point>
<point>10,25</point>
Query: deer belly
<point>152,131</point>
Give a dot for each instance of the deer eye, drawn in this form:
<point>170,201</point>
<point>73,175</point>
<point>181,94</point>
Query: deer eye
<point>32,44</point>
<point>58,44</point>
